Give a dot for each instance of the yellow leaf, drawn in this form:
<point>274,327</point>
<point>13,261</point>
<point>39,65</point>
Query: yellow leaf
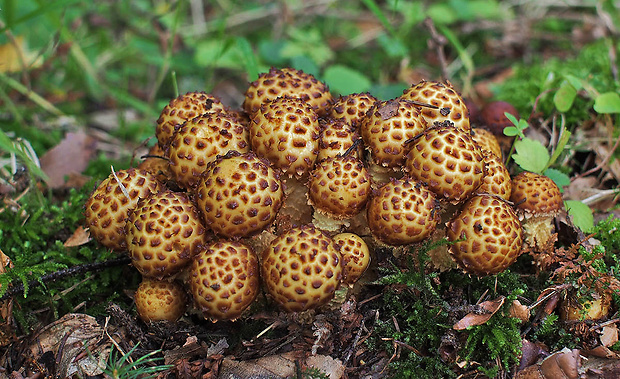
<point>14,56</point>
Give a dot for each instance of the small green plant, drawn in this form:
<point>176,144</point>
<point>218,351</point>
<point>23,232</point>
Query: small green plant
<point>122,367</point>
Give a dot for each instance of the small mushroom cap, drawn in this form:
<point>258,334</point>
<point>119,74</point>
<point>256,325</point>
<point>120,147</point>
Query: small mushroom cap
<point>448,161</point>
<point>403,211</point>
<point>487,235</point>
<point>183,108</point>
<point>200,141</point>
<point>239,195</point>
<point>286,131</point>
<point>386,129</point>
<point>355,256</point>
<point>158,300</point>
<point>339,186</point>
<point>287,82</point>
<point>164,231</point>
<point>496,180</point>
<point>224,280</point>
<point>487,141</point>
<point>536,194</point>
<point>449,103</point>
<point>352,108</point>
<point>107,208</point>
<point>157,164</point>
<point>337,137</point>
<point>493,116</point>
<point>302,269</point>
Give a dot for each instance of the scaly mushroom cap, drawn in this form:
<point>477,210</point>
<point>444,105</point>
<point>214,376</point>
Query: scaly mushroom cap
<point>107,208</point>
<point>302,269</point>
<point>449,161</point>
<point>164,231</point>
<point>183,108</point>
<point>339,187</point>
<point>239,195</point>
<point>449,103</point>
<point>160,300</point>
<point>352,108</point>
<point>157,164</point>
<point>496,180</point>
<point>489,235</point>
<point>355,256</point>
<point>287,82</point>
<point>286,132</point>
<point>403,212</point>
<point>535,194</point>
<point>487,141</point>
<point>199,142</point>
<point>337,137</point>
<point>386,129</point>
<point>224,280</point>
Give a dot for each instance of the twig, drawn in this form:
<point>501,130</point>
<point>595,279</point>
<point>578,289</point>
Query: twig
<point>437,42</point>
<point>61,274</point>
<point>602,164</point>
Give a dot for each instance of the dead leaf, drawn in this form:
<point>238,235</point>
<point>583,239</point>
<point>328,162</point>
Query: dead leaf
<point>15,56</point>
<point>79,237</point>
<point>520,311</point>
<point>70,156</point>
<point>389,110</point>
<point>609,335</point>
<point>489,307</point>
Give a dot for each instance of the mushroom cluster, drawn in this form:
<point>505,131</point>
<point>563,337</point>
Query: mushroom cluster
<point>294,190</point>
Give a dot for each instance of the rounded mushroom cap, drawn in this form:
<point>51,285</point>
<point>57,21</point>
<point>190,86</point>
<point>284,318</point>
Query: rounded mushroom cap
<point>157,164</point>
<point>339,187</point>
<point>487,235</point>
<point>352,108</point>
<point>200,141</point>
<point>158,300</point>
<point>448,161</point>
<point>107,208</point>
<point>493,116</point>
<point>403,212</point>
<point>450,105</point>
<point>355,256</point>
<point>535,194</point>
<point>302,269</point>
<point>286,132</point>
<point>337,137</point>
<point>224,280</point>
<point>183,108</point>
<point>164,231</point>
<point>496,180</point>
<point>287,82</point>
<point>487,141</point>
<point>239,195</point>
<point>386,129</point>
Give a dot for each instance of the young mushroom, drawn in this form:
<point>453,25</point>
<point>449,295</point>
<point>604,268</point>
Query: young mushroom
<point>160,300</point>
<point>355,256</point>
<point>352,108</point>
<point>224,280</point>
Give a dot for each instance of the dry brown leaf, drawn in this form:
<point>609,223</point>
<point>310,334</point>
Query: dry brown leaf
<point>601,352</point>
<point>70,156</point>
<point>609,335</point>
<point>490,307</point>
<point>79,237</point>
<point>520,311</point>
<point>280,366</point>
<point>14,56</point>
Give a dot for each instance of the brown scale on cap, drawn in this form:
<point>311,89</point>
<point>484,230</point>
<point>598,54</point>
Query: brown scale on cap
<point>386,129</point>
<point>403,212</point>
<point>286,131</point>
<point>355,256</point>
<point>487,141</point>
<point>164,232</point>
<point>337,137</point>
<point>489,235</point>
<point>352,108</point>
<point>239,195</point>
<point>448,161</point>
<point>156,163</point>
<point>287,82</point>
<point>107,208</point>
<point>224,280</point>
<point>159,300</point>
<point>448,103</point>
<point>537,200</point>
<point>183,108</point>
<point>496,180</point>
<point>339,187</point>
<point>200,141</point>
<point>302,269</point>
